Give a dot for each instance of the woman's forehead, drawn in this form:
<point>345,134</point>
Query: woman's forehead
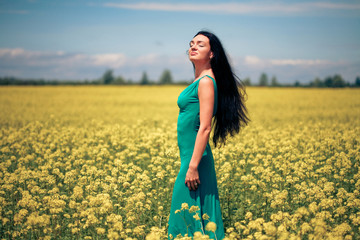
<point>200,38</point>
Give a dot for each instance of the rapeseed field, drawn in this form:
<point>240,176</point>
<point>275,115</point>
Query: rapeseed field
<point>99,162</point>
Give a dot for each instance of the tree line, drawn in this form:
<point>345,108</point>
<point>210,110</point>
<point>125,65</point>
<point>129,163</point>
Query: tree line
<point>335,81</point>
<point>108,78</point>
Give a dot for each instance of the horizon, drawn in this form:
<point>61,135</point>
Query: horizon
<point>80,40</point>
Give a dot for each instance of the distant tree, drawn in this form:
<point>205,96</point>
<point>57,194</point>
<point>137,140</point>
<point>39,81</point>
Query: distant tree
<point>334,81</point>
<point>328,81</point>
<point>274,81</point>
<point>98,81</point>
<point>166,77</point>
<point>263,81</point>
<point>297,83</point>
<point>144,79</point>
<point>247,81</point>
<point>357,81</point>
<point>338,81</point>
<point>119,80</point>
<point>184,82</point>
<point>108,77</point>
<point>317,83</point>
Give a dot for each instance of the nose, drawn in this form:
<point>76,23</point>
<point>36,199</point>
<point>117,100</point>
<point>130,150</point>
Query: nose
<point>193,47</point>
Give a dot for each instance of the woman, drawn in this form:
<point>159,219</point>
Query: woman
<point>195,199</point>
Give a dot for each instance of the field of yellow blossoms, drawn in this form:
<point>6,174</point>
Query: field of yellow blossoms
<point>99,162</point>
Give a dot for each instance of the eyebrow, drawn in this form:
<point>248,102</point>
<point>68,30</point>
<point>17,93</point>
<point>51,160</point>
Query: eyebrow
<point>197,41</point>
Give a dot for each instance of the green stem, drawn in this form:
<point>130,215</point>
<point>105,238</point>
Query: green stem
<point>202,226</point>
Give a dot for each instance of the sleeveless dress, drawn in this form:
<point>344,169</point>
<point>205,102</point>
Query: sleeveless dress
<point>205,199</point>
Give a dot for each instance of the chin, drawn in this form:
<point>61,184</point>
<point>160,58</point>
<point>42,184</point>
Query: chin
<point>194,58</point>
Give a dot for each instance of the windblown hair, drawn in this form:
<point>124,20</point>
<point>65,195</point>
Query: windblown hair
<point>231,113</point>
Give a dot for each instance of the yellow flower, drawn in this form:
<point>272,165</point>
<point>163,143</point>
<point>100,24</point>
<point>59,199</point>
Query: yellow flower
<point>197,217</point>
<point>184,206</point>
<point>5,220</point>
<point>248,215</point>
<point>211,227</point>
<point>100,231</point>
<point>156,234</point>
<point>194,209</point>
<point>99,175</point>
<point>305,228</point>
<point>200,236</point>
<point>113,235</point>
<point>18,218</point>
<point>270,228</point>
<point>205,216</point>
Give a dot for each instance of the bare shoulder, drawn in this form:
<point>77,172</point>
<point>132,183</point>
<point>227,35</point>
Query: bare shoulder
<point>206,83</point>
<point>206,88</point>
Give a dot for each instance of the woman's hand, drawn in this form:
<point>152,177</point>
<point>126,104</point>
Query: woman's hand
<point>192,178</point>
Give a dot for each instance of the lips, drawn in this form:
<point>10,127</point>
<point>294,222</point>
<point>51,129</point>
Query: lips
<point>193,53</point>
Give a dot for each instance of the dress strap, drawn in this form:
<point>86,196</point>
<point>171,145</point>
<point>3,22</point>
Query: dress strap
<point>208,77</point>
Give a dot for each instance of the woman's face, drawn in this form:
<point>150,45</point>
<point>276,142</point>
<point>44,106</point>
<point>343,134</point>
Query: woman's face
<point>200,49</point>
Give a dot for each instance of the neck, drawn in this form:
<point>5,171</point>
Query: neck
<point>202,69</point>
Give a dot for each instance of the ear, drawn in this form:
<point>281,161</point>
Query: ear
<point>211,55</point>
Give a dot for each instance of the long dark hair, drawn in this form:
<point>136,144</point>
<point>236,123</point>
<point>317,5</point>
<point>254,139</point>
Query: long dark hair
<point>231,112</point>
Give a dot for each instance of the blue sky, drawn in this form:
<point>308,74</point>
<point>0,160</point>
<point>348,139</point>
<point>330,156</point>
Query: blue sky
<point>78,39</point>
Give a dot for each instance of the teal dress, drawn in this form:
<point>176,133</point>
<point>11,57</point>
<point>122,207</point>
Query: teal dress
<point>205,200</point>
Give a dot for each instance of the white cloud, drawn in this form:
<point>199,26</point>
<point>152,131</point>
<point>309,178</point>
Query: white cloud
<point>253,60</point>
<point>23,63</point>
<point>110,60</point>
<point>327,5</point>
<point>256,61</point>
<point>146,59</point>
<point>289,70</point>
<point>265,7</point>
<point>37,58</point>
<point>19,52</point>
<point>299,62</point>
<point>11,52</point>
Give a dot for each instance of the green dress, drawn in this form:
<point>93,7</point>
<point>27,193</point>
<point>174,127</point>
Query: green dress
<point>206,197</point>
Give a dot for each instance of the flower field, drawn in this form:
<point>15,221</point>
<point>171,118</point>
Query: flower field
<point>99,162</point>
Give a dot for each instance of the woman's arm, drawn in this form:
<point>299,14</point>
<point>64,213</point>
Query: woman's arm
<point>206,101</point>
